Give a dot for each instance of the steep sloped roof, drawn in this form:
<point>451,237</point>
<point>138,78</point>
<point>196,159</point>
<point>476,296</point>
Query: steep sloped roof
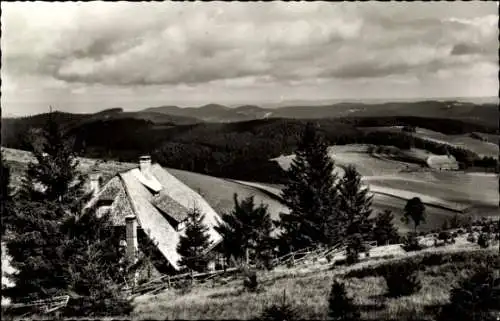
<point>151,220</point>
<point>114,192</point>
<point>170,207</point>
<point>439,160</point>
<point>188,198</point>
<point>150,199</point>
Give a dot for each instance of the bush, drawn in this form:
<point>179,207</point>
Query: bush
<point>354,247</point>
<point>340,306</point>
<point>402,279</point>
<point>184,286</point>
<point>471,238</point>
<point>250,282</point>
<point>475,298</point>
<point>279,312</point>
<point>483,240</point>
<point>411,243</point>
<point>445,236</point>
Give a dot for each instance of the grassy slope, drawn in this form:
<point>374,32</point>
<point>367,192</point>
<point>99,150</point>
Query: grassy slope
<point>479,193</point>
<point>307,289</point>
<point>477,146</point>
<point>219,192</point>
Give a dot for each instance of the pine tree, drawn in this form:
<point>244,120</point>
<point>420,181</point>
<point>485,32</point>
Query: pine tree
<point>355,202</point>
<point>355,207</point>
<point>58,248</point>
<point>414,210</point>
<point>193,245</point>
<point>5,196</point>
<point>54,175</point>
<point>341,307</point>
<point>311,195</point>
<point>384,231</point>
<point>247,228</point>
<point>94,273</point>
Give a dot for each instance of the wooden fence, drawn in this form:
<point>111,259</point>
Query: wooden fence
<point>39,306</point>
<point>304,256</point>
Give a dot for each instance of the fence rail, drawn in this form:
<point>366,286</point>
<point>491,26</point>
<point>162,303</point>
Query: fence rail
<point>43,306</point>
<point>299,257</point>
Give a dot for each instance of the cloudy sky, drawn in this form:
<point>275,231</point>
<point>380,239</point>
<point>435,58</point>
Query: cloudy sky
<point>83,57</point>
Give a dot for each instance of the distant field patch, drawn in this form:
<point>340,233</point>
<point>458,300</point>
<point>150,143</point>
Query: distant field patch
<point>482,148</point>
<point>357,155</point>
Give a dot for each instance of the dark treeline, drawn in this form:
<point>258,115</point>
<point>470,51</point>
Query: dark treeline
<point>442,125</point>
<point>240,150</point>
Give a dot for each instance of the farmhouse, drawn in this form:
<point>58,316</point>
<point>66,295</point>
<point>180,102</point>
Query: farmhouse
<point>442,162</point>
<point>149,202</point>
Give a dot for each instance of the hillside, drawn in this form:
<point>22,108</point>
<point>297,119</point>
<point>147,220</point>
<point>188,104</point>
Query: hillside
<point>468,141</point>
<point>237,150</point>
<point>307,288</point>
<point>394,182</point>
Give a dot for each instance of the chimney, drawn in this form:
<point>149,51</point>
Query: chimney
<point>131,224</point>
<point>95,184</point>
<point>145,165</point>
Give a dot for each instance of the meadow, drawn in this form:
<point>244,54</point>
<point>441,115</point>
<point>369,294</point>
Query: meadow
<point>307,289</point>
<point>482,148</point>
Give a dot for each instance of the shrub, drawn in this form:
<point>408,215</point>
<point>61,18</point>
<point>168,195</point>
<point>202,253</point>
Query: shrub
<point>460,232</point>
<point>475,298</point>
<point>184,286</point>
<point>444,235</point>
<point>471,238</point>
<point>354,247</point>
<point>250,281</point>
<point>486,229</point>
<point>411,243</point>
<point>483,240</point>
<point>402,279</point>
<point>340,306</point>
<point>279,312</point>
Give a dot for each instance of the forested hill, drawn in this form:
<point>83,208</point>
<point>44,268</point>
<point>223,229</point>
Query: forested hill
<point>481,114</point>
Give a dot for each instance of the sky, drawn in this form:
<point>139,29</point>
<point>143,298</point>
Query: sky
<point>85,57</point>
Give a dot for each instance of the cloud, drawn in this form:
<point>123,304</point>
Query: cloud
<point>240,45</point>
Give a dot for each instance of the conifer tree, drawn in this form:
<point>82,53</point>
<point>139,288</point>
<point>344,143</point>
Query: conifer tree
<point>5,195</point>
<point>384,231</point>
<point>247,228</point>
<point>54,175</point>
<point>354,203</point>
<point>311,195</point>
<point>193,245</point>
<point>57,247</point>
<point>341,307</point>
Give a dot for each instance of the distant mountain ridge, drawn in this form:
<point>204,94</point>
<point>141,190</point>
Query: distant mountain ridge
<point>485,114</point>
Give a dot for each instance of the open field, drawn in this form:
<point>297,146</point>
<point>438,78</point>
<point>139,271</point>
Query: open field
<point>307,289</point>
<point>219,192</point>
<point>482,148</point>
<point>393,183</point>
<point>356,155</point>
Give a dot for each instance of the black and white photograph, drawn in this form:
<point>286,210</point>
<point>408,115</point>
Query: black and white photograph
<point>270,160</point>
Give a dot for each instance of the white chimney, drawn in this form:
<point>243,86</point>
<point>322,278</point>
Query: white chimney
<point>131,226</point>
<point>145,165</point>
<point>95,183</point>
